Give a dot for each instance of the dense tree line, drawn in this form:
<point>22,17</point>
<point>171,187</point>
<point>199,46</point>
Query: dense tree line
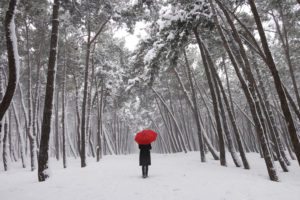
<point>211,76</point>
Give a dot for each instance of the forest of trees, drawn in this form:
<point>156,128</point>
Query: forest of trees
<point>212,76</point>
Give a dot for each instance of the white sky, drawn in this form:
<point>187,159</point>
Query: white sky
<point>131,40</point>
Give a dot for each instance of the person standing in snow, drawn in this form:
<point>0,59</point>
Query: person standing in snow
<point>145,159</point>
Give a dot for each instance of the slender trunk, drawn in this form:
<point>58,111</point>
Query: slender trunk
<point>225,125</point>
<point>278,84</point>
<point>12,153</point>
<point>83,111</point>
<point>90,41</point>
<point>29,99</point>
<point>36,108</point>
<point>286,47</point>
<point>268,160</point>
<point>20,136</point>
<point>99,122</point>
<point>5,146</point>
<point>43,164</point>
<point>195,109</point>
<point>57,136</point>
<point>215,101</point>
<point>173,142</point>
<point>277,139</point>
<point>172,117</point>
<point>63,105</point>
<point>12,56</point>
<point>292,103</point>
<point>233,122</point>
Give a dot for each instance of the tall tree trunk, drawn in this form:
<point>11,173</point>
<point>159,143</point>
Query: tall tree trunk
<point>90,41</point>
<point>273,129</point>
<point>43,164</point>
<point>233,121</point>
<point>195,109</point>
<point>12,55</point>
<point>29,104</point>
<point>283,35</point>
<point>172,142</point>
<point>84,104</point>
<point>268,160</point>
<point>12,153</point>
<point>77,114</point>
<point>215,101</point>
<point>99,122</point>
<point>214,75</point>
<point>5,146</point>
<point>63,120</point>
<point>278,84</point>
<point>20,136</point>
<point>173,118</point>
<point>36,108</point>
<point>57,136</point>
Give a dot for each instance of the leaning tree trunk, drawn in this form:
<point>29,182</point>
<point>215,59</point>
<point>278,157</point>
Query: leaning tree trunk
<point>43,164</point>
<point>225,125</point>
<point>184,146</point>
<point>273,129</point>
<point>278,84</point>
<point>283,35</point>
<point>214,98</point>
<point>195,109</point>
<point>268,160</point>
<point>233,122</point>
<point>12,55</point>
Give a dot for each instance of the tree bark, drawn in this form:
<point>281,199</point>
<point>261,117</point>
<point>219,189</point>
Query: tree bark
<point>173,118</point>
<point>43,164</point>
<point>29,105</point>
<point>57,136</point>
<point>215,101</point>
<point>63,120</point>
<point>195,109</point>
<point>12,55</point>
<point>20,136</point>
<point>278,84</point>
<point>90,41</point>
<point>258,126</point>
<point>99,122</point>
<point>5,146</point>
<point>286,47</point>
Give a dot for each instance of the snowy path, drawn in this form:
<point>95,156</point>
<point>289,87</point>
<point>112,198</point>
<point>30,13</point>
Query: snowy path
<point>172,177</point>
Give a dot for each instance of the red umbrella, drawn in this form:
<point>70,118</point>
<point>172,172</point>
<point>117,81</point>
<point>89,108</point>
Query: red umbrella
<point>145,136</point>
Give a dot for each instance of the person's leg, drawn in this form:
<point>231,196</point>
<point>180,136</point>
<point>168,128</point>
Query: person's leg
<point>144,170</point>
<point>147,170</point>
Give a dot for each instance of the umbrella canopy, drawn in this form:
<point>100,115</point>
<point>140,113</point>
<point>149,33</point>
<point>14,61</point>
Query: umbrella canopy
<point>145,136</point>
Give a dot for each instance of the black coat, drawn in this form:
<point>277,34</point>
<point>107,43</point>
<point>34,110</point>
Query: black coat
<point>145,158</point>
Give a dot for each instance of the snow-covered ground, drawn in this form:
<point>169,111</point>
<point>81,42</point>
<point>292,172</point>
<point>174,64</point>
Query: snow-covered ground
<point>171,177</point>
